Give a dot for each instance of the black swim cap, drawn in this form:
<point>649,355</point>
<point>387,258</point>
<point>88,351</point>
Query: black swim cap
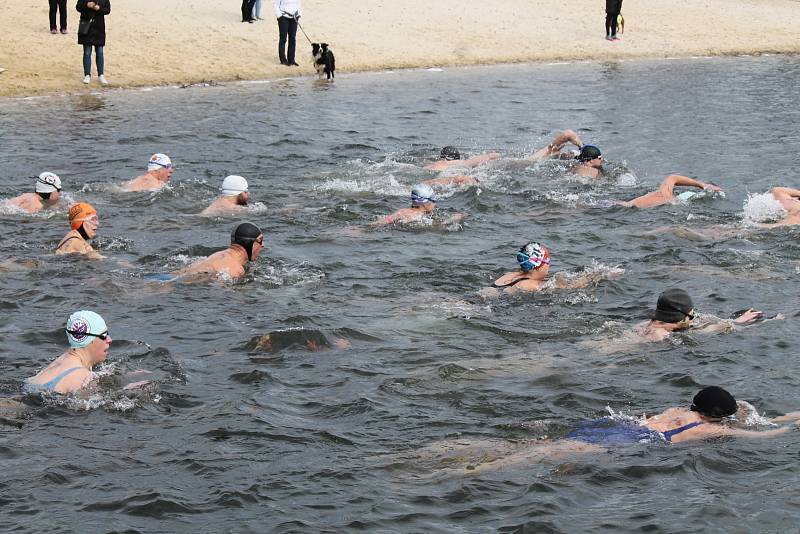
<point>672,306</point>
<point>245,235</point>
<point>714,401</point>
<point>450,152</point>
<point>588,153</point>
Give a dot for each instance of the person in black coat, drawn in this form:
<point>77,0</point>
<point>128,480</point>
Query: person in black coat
<point>93,12</point>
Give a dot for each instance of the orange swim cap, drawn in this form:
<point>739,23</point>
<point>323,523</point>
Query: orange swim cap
<point>80,212</point>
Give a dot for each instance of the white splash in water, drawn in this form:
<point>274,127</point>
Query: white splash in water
<point>762,208</point>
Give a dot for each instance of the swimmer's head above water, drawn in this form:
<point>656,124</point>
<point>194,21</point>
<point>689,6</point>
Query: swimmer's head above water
<point>83,327</point>
<point>83,218</point>
<point>422,194</point>
<point>235,185</point>
<point>714,402</point>
<point>161,166</point>
<point>589,153</point>
<point>246,235</point>
<point>449,153</point>
<point>532,255</point>
<point>674,306</point>
<point>48,186</point>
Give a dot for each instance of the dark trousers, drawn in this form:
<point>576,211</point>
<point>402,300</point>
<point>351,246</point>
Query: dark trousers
<point>611,23</point>
<point>61,6</point>
<point>247,9</point>
<point>287,28</point>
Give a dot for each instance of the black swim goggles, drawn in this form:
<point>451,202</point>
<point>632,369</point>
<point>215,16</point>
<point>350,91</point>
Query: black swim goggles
<point>77,334</point>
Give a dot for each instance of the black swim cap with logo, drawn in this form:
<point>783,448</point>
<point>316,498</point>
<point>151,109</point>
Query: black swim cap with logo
<point>714,401</point>
<point>450,152</point>
<point>245,235</point>
<point>588,153</point>
<point>672,306</point>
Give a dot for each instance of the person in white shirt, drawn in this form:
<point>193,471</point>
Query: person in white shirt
<point>288,12</point>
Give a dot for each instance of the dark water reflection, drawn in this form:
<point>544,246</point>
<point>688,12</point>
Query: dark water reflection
<point>378,343</point>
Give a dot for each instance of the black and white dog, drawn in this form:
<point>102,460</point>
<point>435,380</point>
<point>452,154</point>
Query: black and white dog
<point>323,59</point>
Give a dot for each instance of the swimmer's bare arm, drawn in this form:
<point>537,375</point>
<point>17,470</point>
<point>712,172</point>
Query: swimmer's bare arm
<point>790,417</point>
<point>729,326</point>
<point>676,179</point>
<point>785,193</point>
<point>740,433</point>
<point>452,180</point>
<point>555,146</point>
<point>481,159</point>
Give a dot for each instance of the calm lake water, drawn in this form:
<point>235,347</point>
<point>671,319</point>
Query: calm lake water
<point>380,346</point>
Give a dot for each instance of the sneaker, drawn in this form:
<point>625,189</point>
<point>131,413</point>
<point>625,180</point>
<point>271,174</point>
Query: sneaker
<point>293,64</point>
<point>102,79</point>
<point>64,31</point>
<point>616,38</point>
<point>609,38</point>
<point>87,78</point>
<point>54,31</point>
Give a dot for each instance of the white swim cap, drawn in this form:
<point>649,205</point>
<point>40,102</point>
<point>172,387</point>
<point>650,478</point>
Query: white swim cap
<point>83,327</point>
<point>233,185</point>
<point>159,161</point>
<point>48,182</point>
<point>422,194</point>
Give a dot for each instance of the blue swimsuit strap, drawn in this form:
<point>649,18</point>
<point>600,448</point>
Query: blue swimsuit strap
<point>51,384</point>
<point>669,433</point>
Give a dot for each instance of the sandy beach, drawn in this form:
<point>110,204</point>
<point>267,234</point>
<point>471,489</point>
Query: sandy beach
<point>188,41</point>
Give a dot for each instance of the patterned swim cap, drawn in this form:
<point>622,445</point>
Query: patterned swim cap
<point>80,212</point>
<point>532,256</point>
<point>159,161</point>
<point>82,323</point>
<point>422,194</point>
<point>48,182</point>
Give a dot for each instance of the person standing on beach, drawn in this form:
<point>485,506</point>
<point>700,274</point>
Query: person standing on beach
<point>247,11</point>
<point>288,13</point>
<point>61,7</point>
<point>94,14</point>
<point>613,9</point>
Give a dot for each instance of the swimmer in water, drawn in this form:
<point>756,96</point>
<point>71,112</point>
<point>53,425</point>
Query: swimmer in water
<point>711,414</point>
<point>84,223</point>
<point>790,200</point>
<point>47,194</point>
<point>233,199</point>
<point>89,341</point>
<point>590,158</point>
<point>665,195</point>
<point>450,157</point>
<point>422,204</point>
<point>247,242</point>
<point>534,267</point>
<point>675,312</point>
<point>159,171</point>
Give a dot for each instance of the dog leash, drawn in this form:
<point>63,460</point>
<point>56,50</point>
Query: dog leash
<point>298,25</point>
